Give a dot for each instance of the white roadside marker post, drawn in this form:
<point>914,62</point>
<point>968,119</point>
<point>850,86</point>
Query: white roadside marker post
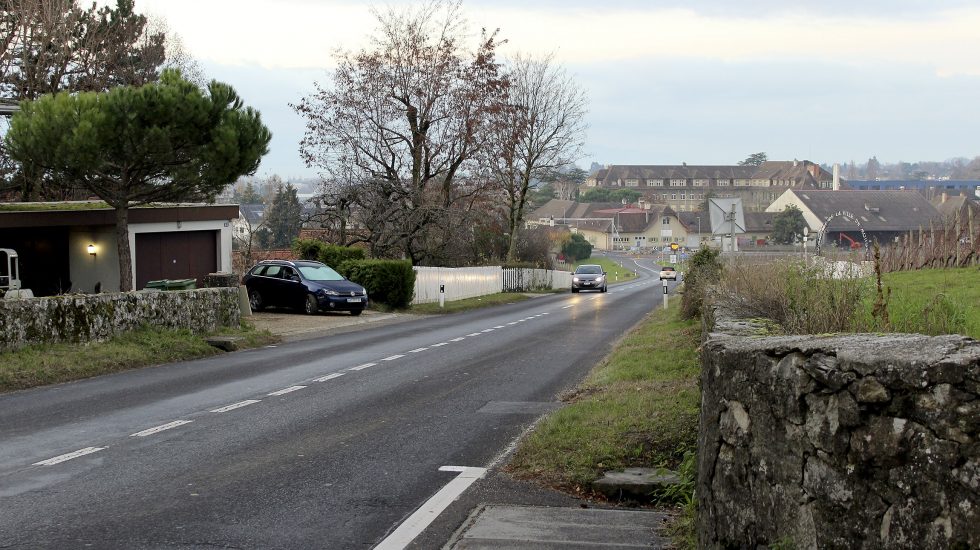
<point>442,296</point>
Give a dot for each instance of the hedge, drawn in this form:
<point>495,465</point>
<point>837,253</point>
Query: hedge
<point>390,282</point>
<point>330,254</point>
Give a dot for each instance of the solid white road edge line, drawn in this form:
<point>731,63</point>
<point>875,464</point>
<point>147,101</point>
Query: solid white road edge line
<point>362,367</point>
<point>417,522</point>
<point>284,391</point>
<point>159,429</point>
<point>330,376</point>
<point>68,456</point>
<point>234,406</point>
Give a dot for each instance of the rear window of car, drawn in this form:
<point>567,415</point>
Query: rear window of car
<point>589,269</point>
<point>666,268</point>
<point>319,273</point>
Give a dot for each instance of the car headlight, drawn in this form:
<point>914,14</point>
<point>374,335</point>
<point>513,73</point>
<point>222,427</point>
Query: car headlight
<point>598,279</point>
<point>575,279</point>
<point>328,292</point>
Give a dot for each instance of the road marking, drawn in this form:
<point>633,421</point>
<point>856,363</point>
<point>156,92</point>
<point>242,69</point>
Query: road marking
<point>499,326</point>
<point>362,367</point>
<point>392,357</point>
<point>474,334</point>
<point>457,339</point>
<point>513,323</point>
<point>159,429</point>
<point>417,522</point>
<point>284,391</point>
<point>234,406</point>
<point>488,330</point>
<point>68,456</point>
<point>330,376</point>
<point>546,313</point>
<point>440,344</point>
<point>566,307</point>
<point>416,350</point>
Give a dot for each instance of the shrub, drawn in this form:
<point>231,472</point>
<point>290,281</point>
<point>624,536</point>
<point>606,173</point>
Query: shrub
<point>390,282</point>
<point>576,248</point>
<point>308,249</point>
<point>704,270</point>
<point>334,255</point>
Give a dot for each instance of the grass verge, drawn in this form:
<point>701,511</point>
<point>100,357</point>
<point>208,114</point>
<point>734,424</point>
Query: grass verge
<point>43,364</point>
<point>638,407</point>
<point>469,303</point>
<point>932,301</point>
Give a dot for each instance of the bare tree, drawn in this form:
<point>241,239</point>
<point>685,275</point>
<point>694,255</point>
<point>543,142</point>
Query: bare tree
<point>403,120</point>
<point>542,133</point>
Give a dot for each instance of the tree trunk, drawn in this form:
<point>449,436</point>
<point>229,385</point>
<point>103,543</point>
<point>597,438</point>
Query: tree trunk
<point>122,247</point>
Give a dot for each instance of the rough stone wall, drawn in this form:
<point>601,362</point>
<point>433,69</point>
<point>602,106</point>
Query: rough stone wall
<point>845,441</point>
<point>92,317</point>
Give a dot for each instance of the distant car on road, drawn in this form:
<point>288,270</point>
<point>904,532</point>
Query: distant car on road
<point>302,284</point>
<point>667,272</point>
<point>589,277</point>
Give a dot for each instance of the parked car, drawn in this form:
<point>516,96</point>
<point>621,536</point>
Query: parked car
<point>667,272</point>
<point>589,277</point>
<point>306,285</point>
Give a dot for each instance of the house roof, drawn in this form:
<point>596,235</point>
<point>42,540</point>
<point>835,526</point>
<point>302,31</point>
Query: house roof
<point>253,213</point>
<point>877,210</point>
<point>801,172</point>
<point>758,222</point>
<point>63,214</point>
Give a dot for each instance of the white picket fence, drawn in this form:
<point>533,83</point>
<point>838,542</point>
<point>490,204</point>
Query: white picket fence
<point>469,282</point>
<point>461,282</point>
<point>524,280</point>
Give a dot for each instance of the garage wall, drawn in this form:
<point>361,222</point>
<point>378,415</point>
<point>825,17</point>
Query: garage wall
<point>86,270</point>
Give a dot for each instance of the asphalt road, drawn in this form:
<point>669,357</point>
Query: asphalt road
<point>325,443</point>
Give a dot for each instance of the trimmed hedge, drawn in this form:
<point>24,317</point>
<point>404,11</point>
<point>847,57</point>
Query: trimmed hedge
<point>390,282</point>
<point>330,254</point>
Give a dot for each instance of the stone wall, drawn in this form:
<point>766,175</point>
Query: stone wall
<point>845,441</point>
<point>89,317</point>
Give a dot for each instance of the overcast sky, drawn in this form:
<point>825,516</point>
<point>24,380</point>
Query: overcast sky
<point>670,81</point>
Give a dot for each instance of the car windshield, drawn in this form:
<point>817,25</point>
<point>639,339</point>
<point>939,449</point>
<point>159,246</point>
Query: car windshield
<point>588,270</point>
<point>319,273</point>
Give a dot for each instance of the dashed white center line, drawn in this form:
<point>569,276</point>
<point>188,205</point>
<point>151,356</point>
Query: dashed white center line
<point>284,391</point>
<point>68,456</point>
<point>473,334</point>
<point>417,350</point>
<point>487,330</point>
<point>159,429</point>
<point>364,366</point>
<point>440,344</point>
<point>458,339</point>
<point>392,357</point>
<point>234,406</point>
<point>566,307</point>
<point>512,323</point>
<point>330,376</point>
<point>546,313</point>
<point>499,326</point>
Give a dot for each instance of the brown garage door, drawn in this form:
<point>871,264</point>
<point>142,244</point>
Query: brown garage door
<point>177,255</point>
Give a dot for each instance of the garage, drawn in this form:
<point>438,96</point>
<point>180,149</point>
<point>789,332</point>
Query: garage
<point>175,255</point>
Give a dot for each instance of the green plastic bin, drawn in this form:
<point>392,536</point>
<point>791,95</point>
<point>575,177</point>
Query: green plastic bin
<point>181,284</point>
<point>156,285</point>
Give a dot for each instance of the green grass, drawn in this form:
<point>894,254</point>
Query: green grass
<point>932,301</point>
<point>469,303</point>
<point>639,407</point>
<point>610,267</point>
<point>44,364</point>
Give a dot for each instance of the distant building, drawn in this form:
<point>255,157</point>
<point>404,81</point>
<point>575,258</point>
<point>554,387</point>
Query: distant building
<point>684,188</point>
<point>614,226</point>
<point>929,188</point>
<point>883,215</point>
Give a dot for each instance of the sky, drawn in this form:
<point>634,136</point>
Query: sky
<point>669,81</point>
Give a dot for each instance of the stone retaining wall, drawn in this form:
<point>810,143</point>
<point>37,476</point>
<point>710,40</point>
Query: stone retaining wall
<point>848,441</point>
<point>92,317</point>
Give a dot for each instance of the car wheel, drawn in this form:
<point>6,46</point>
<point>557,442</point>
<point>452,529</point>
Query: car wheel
<point>255,300</point>
<point>310,306</point>
<point>356,312</point>
<point>574,290</point>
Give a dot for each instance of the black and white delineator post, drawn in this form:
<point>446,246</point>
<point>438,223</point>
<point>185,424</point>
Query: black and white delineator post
<point>442,295</point>
<point>664,282</point>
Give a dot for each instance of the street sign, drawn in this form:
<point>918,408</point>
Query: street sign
<point>674,246</point>
<point>673,258</point>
